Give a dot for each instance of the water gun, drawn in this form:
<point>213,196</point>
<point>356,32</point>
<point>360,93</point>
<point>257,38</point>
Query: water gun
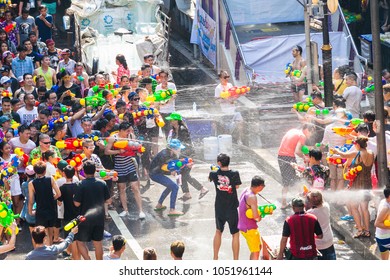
<point>7,217</point>
<point>305,150</point>
<point>9,27</point>
<point>22,155</point>
<point>323,112</point>
<point>6,93</point>
<point>14,124</point>
<point>297,73</point>
<point>57,175</point>
<point>263,210</point>
<point>10,168</point>
<point>235,92</point>
<point>79,78</point>
<point>5,195</point>
<point>176,165</point>
<point>160,121</point>
<point>69,144</point>
<point>336,160</point>
<point>303,106</point>
<point>214,167</point>
<point>344,148</point>
<point>351,174</point>
<point>343,131</point>
<point>131,147</point>
<point>76,161</point>
<point>93,101</point>
<point>144,112</point>
<point>368,89</point>
<point>106,173</point>
<point>75,222</point>
<point>305,190</point>
<point>288,69</point>
<point>355,122</point>
<point>50,125</point>
<point>386,223</point>
<point>161,95</point>
<point>65,109</point>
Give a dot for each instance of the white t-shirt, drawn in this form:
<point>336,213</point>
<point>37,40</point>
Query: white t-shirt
<point>26,116</point>
<point>323,216</point>
<point>75,128</point>
<point>50,170</point>
<point>380,232</point>
<point>353,97</point>
<point>27,148</point>
<point>14,179</point>
<point>169,106</point>
<point>227,106</point>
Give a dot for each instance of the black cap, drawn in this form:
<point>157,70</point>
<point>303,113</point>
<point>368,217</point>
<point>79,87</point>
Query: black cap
<point>5,68</point>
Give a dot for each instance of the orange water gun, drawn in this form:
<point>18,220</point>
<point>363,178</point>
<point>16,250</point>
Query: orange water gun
<point>6,93</point>
<point>343,131</point>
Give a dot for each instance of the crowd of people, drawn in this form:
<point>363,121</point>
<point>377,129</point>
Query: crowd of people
<point>338,148</point>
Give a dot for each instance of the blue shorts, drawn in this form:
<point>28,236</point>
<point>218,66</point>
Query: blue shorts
<point>383,244</point>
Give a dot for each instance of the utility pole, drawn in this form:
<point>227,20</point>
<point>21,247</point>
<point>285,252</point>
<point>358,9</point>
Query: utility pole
<point>327,59</point>
<point>379,103</point>
<point>308,49</point>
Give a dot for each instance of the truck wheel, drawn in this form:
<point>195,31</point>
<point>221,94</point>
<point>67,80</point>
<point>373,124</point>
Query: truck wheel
<point>95,65</point>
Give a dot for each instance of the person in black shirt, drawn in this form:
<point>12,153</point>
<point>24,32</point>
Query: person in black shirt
<point>7,111</point>
<point>68,190</point>
<point>90,196</point>
<point>226,183</point>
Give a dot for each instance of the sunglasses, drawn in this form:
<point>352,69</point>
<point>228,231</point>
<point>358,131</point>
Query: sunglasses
<point>46,143</point>
<point>136,99</point>
<point>226,77</point>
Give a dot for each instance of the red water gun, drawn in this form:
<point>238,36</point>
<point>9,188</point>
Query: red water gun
<point>351,174</point>
<point>131,147</point>
<point>22,155</point>
<point>336,160</point>
<point>6,93</point>
<point>235,92</point>
<point>76,161</point>
<point>69,144</point>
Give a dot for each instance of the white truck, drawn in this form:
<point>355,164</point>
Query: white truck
<point>106,28</point>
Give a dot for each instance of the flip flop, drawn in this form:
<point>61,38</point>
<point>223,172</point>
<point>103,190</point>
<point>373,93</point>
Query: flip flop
<point>160,208</point>
<point>175,214</point>
<point>202,194</point>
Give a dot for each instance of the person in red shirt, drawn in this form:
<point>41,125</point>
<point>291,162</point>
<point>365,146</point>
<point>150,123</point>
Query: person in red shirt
<point>291,145</point>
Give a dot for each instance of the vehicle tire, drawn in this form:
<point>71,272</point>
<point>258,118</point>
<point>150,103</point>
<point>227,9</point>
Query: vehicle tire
<point>95,65</point>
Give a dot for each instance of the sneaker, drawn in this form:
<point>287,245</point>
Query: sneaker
<point>142,215</point>
<point>124,214</point>
<point>347,218</point>
<point>106,234</point>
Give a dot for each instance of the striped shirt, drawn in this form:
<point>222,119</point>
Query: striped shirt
<point>124,165</point>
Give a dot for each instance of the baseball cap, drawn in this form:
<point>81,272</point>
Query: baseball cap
<point>4,80</point>
<point>4,119</point>
<point>297,202</point>
<point>30,170</point>
<point>175,144</point>
<point>174,116</point>
<point>5,68</point>
<point>62,164</point>
<point>20,79</point>
<point>49,42</point>
<point>65,51</point>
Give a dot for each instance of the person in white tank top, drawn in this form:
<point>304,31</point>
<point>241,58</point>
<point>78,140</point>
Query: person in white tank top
<point>382,224</point>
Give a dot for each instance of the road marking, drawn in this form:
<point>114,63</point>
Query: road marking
<point>133,244</point>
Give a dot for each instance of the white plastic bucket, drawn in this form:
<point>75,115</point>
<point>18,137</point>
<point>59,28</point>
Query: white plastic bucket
<point>210,148</point>
<point>225,144</point>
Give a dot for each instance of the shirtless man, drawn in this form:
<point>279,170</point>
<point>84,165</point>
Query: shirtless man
<point>298,86</point>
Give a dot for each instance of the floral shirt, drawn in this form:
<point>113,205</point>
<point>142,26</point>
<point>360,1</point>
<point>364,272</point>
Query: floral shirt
<point>36,154</point>
<point>122,71</point>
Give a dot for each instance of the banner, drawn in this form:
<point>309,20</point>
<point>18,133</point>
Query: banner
<point>204,34</point>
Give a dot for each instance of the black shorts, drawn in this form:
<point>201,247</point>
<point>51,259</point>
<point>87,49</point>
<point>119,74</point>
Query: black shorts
<point>131,177</point>
<point>296,89</point>
<point>289,176</point>
<point>227,217</point>
<point>89,233</point>
<point>152,132</point>
<point>45,222</point>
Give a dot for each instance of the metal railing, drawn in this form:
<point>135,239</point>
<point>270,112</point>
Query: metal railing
<point>165,21</point>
